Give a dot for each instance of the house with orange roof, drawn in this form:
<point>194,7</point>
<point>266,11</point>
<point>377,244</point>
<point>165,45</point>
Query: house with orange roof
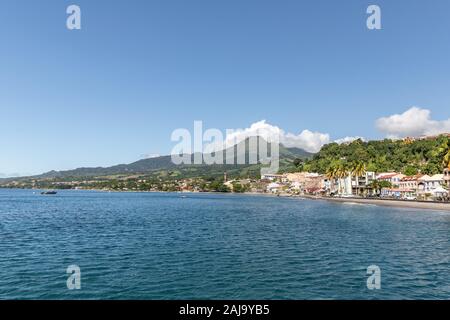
<point>393,177</point>
<point>410,182</point>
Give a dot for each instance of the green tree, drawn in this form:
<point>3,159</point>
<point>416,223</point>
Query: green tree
<point>410,171</point>
<point>239,188</point>
<point>218,186</point>
<point>446,160</point>
<point>298,162</point>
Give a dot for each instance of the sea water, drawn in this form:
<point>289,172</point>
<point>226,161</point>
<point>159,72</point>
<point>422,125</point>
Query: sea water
<point>216,246</point>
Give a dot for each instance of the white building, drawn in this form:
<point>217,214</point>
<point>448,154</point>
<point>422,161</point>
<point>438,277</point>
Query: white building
<point>351,185</point>
<point>447,177</point>
<point>393,177</point>
<point>272,177</point>
<point>274,187</point>
<point>343,186</point>
<point>428,184</point>
<point>296,186</point>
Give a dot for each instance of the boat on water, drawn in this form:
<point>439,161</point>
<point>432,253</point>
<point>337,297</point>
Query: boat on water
<point>49,192</point>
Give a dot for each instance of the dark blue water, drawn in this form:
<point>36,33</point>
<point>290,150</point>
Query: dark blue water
<point>205,246</point>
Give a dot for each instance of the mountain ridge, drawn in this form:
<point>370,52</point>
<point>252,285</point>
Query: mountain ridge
<point>151,165</point>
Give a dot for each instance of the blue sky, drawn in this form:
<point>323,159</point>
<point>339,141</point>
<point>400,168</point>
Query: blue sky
<point>138,70</point>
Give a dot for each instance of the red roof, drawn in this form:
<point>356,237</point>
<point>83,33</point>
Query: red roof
<point>388,175</point>
<point>412,178</point>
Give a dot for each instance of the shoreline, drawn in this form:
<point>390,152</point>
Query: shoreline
<point>428,205</point>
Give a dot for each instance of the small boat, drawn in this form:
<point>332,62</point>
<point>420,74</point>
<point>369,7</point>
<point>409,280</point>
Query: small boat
<point>49,192</point>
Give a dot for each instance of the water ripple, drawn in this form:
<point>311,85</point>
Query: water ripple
<point>158,246</point>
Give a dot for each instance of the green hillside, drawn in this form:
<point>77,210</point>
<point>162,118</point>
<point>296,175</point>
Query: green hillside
<point>408,156</point>
<point>163,168</point>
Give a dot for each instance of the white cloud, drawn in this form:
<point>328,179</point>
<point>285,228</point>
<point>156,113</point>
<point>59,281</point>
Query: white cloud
<point>307,140</point>
<point>413,122</point>
<point>150,155</point>
<point>11,175</point>
<point>348,139</point>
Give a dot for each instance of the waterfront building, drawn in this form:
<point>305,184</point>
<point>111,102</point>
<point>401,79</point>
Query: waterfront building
<point>296,177</point>
<point>431,186</point>
<point>296,187</point>
<point>274,187</point>
<point>272,177</point>
<point>447,177</point>
<point>350,185</point>
<point>360,184</point>
<point>393,177</point>
<point>427,184</point>
<point>343,186</point>
<point>315,183</point>
<point>410,182</point>
<point>439,193</point>
<point>305,182</point>
<point>400,193</point>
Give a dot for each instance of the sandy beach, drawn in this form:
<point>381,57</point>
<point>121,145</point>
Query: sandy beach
<point>389,203</point>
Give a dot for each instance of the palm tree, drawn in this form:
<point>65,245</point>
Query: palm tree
<point>341,173</point>
<point>358,170</point>
<point>375,185</point>
<point>331,175</point>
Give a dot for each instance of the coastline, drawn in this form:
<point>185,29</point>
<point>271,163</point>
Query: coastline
<point>428,205</point>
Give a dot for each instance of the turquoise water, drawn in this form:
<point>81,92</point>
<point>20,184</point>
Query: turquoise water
<point>213,246</point>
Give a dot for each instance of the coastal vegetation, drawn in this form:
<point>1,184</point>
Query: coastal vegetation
<point>335,161</point>
<point>428,156</point>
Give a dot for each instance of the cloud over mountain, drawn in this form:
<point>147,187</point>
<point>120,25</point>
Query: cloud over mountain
<point>9,175</point>
<point>413,122</point>
<point>306,140</point>
<point>348,139</point>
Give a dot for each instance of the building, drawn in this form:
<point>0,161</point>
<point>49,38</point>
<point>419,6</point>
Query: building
<point>427,184</point>
<point>432,187</point>
<point>296,187</point>
<point>350,185</point>
<point>393,177</point>
<point>447,177</point>
<point>274,187</point>
<point>434,137</point>
<point>243,182</point>
<point>400,193</point>
<point>305,182</point>
<point>315,183</point>
<point>440,193</point>
<point>410,182</point>
<point>272,177</point>
<point>342,186</point>
<point>296,177</point>
<point>360,184</point>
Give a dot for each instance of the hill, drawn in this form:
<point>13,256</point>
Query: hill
<point>163,166</point>
<point>408,155</point>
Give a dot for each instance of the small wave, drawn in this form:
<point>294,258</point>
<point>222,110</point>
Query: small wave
<point>358,204</point>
